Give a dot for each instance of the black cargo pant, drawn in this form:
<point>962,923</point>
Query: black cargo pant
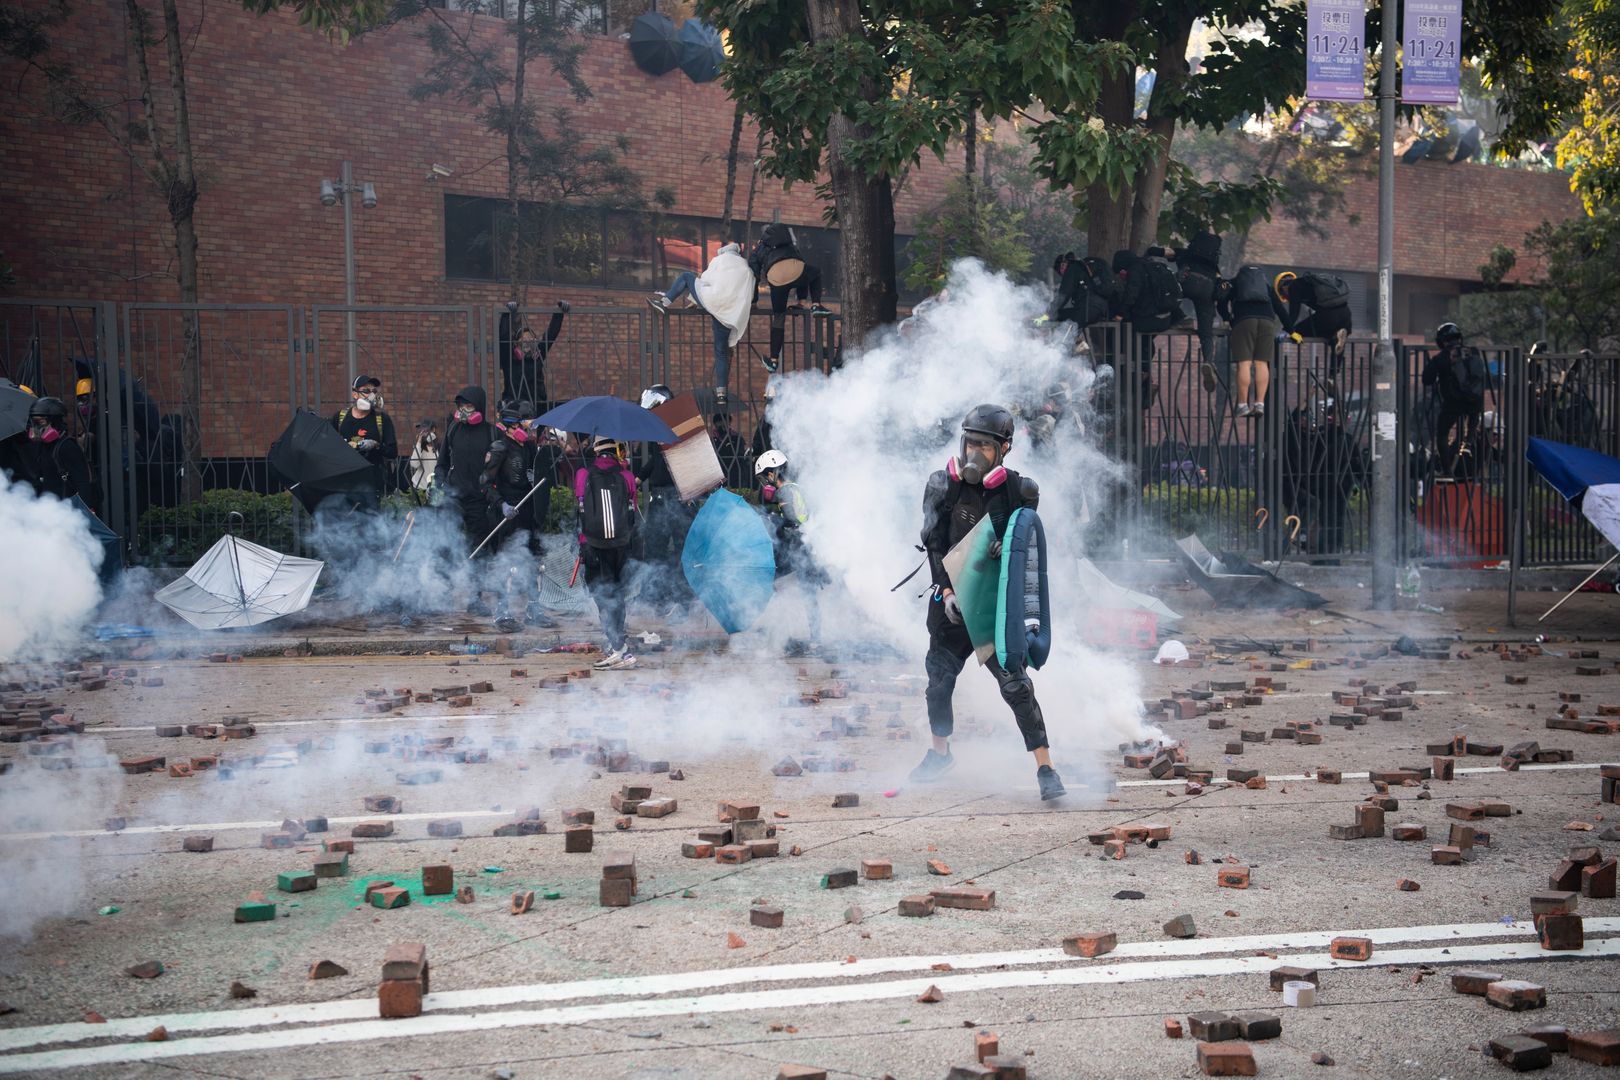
<point>604,579</point>
<point>948,650</point>
<point>1326,324</point>
<point>1200,289</point>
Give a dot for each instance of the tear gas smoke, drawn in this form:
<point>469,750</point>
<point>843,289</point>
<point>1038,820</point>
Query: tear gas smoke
<point>863,441</point>
<point>48,585</point>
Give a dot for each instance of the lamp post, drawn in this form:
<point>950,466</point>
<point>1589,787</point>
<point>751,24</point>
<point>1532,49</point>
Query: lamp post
<point>342,190</point>
<point>1386,511</point>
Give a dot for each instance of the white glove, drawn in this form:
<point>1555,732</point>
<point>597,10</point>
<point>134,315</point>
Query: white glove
<point>953,610</point>
<point>365,446</point>
<point>508,511</point>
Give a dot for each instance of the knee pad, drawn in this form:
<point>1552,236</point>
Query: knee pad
<point>1016,689</point>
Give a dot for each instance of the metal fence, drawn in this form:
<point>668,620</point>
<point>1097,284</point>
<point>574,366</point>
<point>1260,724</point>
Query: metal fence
<point>1292,482</point>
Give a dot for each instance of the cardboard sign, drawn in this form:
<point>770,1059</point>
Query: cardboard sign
<point>693,464</point>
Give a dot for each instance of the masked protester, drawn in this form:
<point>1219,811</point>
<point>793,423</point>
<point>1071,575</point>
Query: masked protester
<point>667,520</point>
<point>1458,376</point>
<point>59,461</point>
<point>605,494</point>
<point>778,264</point>
<point>523,367</point>
<point>424,458</point>
<point>974,484</point>
<point>460,465</point>
<point>1328,297</point>
<point>365,426</point>
<point>509,476</point>
<point>787,513</point>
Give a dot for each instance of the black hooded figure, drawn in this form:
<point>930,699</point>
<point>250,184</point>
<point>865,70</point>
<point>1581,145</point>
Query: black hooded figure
<point>973,485</point>
<point>461,461</point>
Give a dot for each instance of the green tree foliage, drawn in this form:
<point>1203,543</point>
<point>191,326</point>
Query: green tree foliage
<point>907,81</point>
<point>1590,147</point>
<point>967,223</point>
<point>1572,298</point>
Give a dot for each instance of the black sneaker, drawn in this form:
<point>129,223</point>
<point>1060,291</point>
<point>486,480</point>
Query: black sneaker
<point>508,625</point>
<point>1207,372</point>
<point>934,765</point>
<point>771,363</point>
<point>1051,784</point>
<point>534,616</point>
<point>817,309</point>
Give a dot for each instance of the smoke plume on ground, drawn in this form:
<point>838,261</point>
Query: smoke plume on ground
<point>48,586</point>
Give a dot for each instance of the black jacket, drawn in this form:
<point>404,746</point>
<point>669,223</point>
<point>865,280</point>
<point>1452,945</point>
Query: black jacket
<point>63,471</point>
<point>1459,375</point>
<point>951,508</point>
<point>461,454</point>
<point>1308,291</point>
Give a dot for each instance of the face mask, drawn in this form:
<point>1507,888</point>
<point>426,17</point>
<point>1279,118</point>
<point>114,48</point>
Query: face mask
<point>362,404</point>
<point>45,434</point>
<point>517,433</point>
<point>768,492</point>
<point>470,415</point>
<point>85,409</point>
<point>973,466</point>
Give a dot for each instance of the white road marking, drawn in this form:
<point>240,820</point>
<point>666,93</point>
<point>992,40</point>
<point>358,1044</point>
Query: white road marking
<point>264,826</point>
<point>438,1023</point>
<point>1181,951</point>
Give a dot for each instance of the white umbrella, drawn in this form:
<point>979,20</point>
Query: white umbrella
<point>238,583</point>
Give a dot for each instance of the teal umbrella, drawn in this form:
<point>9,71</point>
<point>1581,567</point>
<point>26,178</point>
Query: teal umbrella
<point>729,561</point>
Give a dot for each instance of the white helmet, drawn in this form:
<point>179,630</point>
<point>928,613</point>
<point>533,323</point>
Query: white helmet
<point>770,459</point>
<point>655,395</point>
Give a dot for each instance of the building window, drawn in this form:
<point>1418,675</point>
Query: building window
<point>604,249</point>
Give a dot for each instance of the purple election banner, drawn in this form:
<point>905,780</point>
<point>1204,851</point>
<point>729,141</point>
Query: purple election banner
<point>1334,68</point>
<point>1432,62</point>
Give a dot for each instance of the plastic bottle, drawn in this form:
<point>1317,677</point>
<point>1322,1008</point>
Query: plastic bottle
<point>1411,581</point>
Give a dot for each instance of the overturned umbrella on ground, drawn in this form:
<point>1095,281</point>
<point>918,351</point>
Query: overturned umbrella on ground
<point>317,463</point>
<point>1235,582</point>
<point>1591,483</point>
<point>729,561</point>
<point>239,583</point>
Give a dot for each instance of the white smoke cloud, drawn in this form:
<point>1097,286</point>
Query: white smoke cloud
<point>863,441</point>
<point>48,585</point>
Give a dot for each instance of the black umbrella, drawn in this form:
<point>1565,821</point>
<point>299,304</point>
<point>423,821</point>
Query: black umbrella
<point>702,51</point>
<point>316,463</point>
<point>653,44</point>
<point>14,406</point>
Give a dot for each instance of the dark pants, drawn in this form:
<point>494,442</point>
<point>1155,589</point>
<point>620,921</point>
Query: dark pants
<point>663,536</point>
<point>948,650</point>
<point>1465,420</point>
<point>1200,289</point>
<point>604,578</point>
<point>1325,324</point>
<point>475,523</point>
<point>808,287</point>
<point>686,283</point>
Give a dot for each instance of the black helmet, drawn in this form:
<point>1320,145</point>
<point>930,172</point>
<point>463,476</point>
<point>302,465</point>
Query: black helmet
<point>992,420</point>
<point>51,409</point>
<point>1448,334</point>
<point>525,410</point>
<point>1058,263</point>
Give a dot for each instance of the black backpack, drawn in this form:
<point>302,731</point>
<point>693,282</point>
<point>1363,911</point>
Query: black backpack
<point>1473,378</point>
<point>1331,290</point>
<point>1250,287</point>
<point>1160,293</point>
<point>606,515</point>
<point>777,235</point>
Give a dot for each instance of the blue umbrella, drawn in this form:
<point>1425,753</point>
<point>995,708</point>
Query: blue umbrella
<point>1591,483</point>
<point>729,561</point>
<point>610,416</point>
<point>702,51</point>
<point>112,546</point>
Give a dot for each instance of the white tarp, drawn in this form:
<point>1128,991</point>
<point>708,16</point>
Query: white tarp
<point>238,583</point>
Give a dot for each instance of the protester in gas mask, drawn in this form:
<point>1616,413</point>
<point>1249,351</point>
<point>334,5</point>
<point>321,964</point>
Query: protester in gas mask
<point>424,458</point>
<point>787,512</point>
<point>460,465</point>
<point>973,485</point>
<point>59,461</point>
<point>605,497</point>
<point>516,514</point>
<point>365,426</point>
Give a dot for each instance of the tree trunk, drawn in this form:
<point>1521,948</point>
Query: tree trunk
<point>753,185</point>
<point>1108,216</point>
<point>180,194</point>
<point>970,151</point>
<point>731,171</point>
<point>864,204</point>
<point>514,120</point>
<point>1171,65</point>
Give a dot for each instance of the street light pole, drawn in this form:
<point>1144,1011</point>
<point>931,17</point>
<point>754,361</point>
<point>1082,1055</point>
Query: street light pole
<point>344,189</point>
<point>347,188</point>
<point>1386,428</point>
